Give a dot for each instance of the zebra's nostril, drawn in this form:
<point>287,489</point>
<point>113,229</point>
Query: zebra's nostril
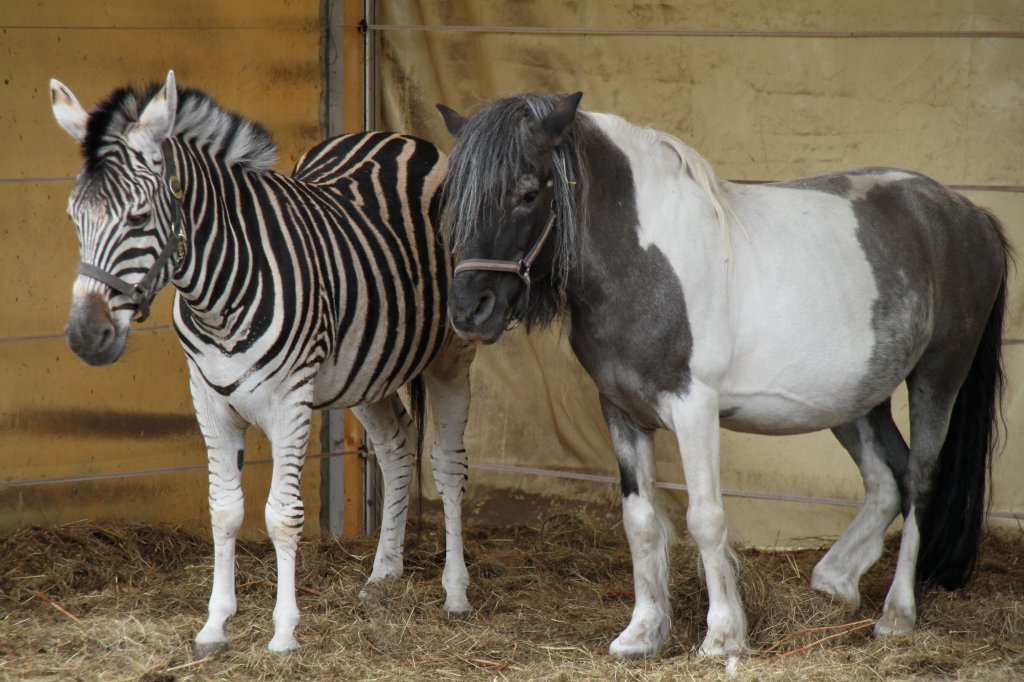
<point>106,336</point>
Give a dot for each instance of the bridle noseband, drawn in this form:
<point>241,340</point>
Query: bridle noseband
<point>143,293</point>
<point>521,267</point>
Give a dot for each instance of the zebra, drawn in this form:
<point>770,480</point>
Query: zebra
<point>328,288</point>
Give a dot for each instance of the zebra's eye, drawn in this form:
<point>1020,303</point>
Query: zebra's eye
<point>137,219</point>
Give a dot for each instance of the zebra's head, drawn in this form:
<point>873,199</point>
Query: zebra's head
<point>123,211</point>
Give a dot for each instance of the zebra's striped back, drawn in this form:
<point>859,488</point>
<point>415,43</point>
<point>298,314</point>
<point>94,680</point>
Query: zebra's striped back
<point>336,272</point>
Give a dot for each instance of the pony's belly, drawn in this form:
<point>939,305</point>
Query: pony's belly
<point>780,413</point>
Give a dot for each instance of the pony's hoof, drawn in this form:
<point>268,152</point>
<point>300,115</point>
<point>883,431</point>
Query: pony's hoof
<point>837,589</point>
<point>201,650</point>
<point>640,640</point>
<point>720,647</point>
<point>620,648</point>
<point>283,644</point>
<point>895,622</point>
<point>462,612</point>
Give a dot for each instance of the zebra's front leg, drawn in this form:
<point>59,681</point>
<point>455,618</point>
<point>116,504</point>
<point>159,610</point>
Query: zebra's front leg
<point>289,424</point>
<point>448,390</point>
<point>225,443</point>
<point>390,431</point>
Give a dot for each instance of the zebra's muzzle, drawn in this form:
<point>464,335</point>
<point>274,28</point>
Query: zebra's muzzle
<point>92,333</point>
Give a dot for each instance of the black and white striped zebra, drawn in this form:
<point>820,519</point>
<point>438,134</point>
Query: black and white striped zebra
<point>328,288</point>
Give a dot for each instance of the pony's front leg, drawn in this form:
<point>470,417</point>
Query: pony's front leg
<point>650,537</point>
<point>695,423</point>
<point>289,425</point>
<point>225,443</point>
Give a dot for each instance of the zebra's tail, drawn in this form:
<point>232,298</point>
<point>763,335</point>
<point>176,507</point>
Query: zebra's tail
<point>417,403</point>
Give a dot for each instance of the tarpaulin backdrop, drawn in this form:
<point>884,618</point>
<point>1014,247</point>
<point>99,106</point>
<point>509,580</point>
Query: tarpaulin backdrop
<point>765,91</point>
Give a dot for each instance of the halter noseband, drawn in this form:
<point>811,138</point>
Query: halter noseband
<point>520,267</point>
<point>143,293</point>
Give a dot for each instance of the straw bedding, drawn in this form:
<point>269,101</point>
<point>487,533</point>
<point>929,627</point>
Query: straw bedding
<point>118,601</point>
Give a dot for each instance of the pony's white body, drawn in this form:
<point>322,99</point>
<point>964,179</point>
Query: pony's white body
<point>781,360</point>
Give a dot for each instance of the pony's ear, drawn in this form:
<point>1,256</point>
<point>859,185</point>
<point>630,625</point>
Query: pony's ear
<point>453,120</point>
<point>556,124</point>
<point>66,109</point>
<point>156,123</point>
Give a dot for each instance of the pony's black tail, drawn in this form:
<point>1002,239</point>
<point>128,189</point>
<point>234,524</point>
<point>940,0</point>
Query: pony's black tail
<point>952,524</point>
<point>417,400</point>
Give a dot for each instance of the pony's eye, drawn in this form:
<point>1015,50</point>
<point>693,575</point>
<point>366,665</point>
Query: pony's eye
<point>529,197</point>
<point>137,219</point>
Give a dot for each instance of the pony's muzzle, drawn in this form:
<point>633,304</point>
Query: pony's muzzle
<point>471,311</point>
<point>91,332</point>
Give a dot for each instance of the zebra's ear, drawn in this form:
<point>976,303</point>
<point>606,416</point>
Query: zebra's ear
<point>556,124</point>
<point>453,120</point>
<point>156,123</point>
<point>66,109</point>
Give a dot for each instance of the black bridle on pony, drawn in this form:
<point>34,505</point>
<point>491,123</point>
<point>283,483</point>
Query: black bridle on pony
<point>143,293</point>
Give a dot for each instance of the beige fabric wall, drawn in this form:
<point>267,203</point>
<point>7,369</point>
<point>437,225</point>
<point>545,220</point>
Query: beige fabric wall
<point>759,108</point>
<point>58,417</point>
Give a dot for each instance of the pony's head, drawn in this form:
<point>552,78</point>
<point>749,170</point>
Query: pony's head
<point>513,199</point>
<point>125,200</point>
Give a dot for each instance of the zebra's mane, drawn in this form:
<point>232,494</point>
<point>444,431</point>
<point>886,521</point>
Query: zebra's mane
<point>491,153</point>
<point>199,121</point>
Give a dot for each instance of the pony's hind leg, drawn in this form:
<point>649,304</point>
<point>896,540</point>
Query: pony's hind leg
<point>649,534</point>
<point>931,404</point>
<point>880,452</point>
<point>447,381</point>
<point>390,431</point>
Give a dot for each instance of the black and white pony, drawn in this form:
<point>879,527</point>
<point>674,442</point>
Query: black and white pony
<point>327,288</point>
<point>772,309</point>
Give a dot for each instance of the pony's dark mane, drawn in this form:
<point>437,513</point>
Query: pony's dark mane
<point>199,121</point>
<point>492,151</point>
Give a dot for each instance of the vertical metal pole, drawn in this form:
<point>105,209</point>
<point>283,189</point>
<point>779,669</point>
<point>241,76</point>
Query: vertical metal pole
<point>344,481</point>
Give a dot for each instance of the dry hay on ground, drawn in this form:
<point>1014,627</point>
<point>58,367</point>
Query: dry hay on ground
<point>122,601</point>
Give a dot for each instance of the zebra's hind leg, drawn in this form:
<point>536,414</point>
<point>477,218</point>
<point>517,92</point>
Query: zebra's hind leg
<point>225,442</point>
<point>390,430</point>
<point>880,452</point>
<point>447,381</point>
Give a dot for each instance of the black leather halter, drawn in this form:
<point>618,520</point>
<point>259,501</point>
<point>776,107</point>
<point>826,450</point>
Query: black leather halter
<point>143,293</point>
<point>520,267</point>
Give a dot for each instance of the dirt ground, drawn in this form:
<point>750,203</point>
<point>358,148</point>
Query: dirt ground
<point>122,602</point>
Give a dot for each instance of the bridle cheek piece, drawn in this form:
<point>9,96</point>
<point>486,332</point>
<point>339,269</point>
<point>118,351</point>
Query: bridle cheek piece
<point>143,293</point>
<point>520,268</point>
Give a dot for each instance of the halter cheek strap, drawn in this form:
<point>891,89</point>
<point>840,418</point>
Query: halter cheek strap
<point>143,293</point>
<point>521,267</point>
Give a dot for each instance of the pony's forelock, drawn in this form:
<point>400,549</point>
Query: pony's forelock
<point>490,155</point>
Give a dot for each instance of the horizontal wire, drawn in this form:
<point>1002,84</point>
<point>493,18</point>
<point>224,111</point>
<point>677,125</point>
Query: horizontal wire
<point>106,476</point>
<point>750,494</point>
<point>505,468</point>
<point>139,27</point>
<point>690,33</point>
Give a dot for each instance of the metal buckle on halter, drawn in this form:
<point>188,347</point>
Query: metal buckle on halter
<point>179,234</point>
<point>174,184</point>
